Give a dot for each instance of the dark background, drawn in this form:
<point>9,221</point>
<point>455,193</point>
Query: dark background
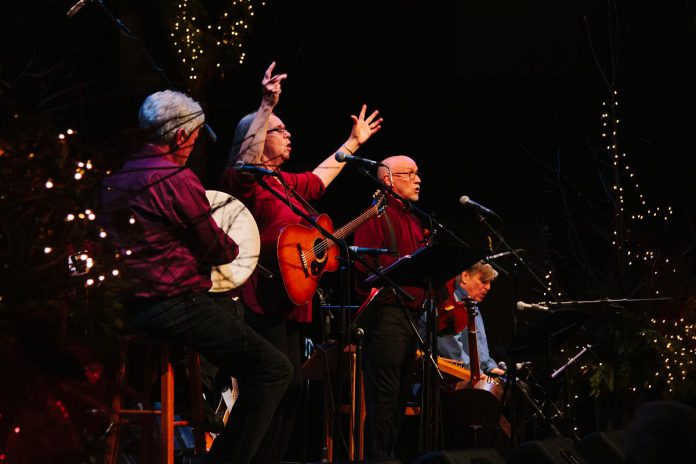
<point>499,101</point>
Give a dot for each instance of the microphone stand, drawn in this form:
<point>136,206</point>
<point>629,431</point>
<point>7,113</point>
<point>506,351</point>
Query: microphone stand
<point>515,252</point>
<point>518,259</point>
<point>121,27</point>
<point>611,301</point>
<point>341,331</point>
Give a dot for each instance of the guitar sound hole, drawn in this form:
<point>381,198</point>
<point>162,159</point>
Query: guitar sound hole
<point>319,252</point>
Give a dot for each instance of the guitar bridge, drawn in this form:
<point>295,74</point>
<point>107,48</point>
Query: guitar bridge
<point>303,260</point>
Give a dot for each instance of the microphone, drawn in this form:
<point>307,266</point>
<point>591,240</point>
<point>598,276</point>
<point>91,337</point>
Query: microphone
<point>369,251</point>
<point>344,157</point>
<point>240,166</point>
<point>466,201</point>
<point>502,255</point>
<point>77,7</point>
<point>522,306</point>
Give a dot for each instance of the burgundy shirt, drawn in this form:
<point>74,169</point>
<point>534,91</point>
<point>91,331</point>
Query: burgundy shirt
<point>407,233</point>
<point>173,241</point>
<point>263,295</point>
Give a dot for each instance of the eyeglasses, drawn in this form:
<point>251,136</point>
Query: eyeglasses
<point>280,129</point>
<point>410,174</point>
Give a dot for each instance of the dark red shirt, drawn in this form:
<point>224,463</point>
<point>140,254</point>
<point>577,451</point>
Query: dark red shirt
<point>263,295</point>
<point>157,214</point>
<point>408,236</point>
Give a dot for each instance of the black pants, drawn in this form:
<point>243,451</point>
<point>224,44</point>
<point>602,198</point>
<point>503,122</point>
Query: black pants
<point>389,352</point>
<point>285,336</point>
<point>263,371</point>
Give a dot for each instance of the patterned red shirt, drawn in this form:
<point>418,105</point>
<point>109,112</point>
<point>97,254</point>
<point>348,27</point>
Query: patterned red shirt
<point>157,214</point>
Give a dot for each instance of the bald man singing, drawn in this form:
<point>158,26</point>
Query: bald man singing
<point>390,345</point>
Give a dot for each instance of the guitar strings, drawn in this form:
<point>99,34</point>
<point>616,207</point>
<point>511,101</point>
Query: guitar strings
<point>340,233</point>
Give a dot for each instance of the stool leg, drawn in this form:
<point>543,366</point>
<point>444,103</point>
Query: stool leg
<point>147,424</point>
<point>115,420</point>
<point>167,419</point>
<point>196,400</point>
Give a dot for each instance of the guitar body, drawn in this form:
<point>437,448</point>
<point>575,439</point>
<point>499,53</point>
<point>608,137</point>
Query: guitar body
<point>303,256</point>
<point>475,381</point>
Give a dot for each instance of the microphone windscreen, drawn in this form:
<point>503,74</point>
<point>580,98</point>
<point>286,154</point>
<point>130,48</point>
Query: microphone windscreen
<point>340,157</point>
<point>464,199</point>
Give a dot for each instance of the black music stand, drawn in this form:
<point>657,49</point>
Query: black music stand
<point>435,264</point>
<point>427,268</point>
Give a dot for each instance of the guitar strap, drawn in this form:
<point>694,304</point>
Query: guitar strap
<point>288,189</point>
<point>391,235</point>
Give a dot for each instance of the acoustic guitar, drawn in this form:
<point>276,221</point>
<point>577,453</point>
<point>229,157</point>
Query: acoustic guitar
<point>304,254</point>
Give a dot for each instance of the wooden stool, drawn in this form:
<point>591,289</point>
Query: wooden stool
<point>166,412</point>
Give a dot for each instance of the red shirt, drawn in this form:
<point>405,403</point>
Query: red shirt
<point>263,295</point>
<point>407,233</point>
<point>173,241</point>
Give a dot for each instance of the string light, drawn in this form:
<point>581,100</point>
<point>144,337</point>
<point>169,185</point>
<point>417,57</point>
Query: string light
<point>679,349</point>
<point>189,39</point>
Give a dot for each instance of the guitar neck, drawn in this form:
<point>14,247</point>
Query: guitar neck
<point>474,366</point>
<point>348,229</point>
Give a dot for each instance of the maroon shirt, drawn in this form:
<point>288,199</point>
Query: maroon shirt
<point>409,236</point>
<point>263,295</point>
<point>174,240</point>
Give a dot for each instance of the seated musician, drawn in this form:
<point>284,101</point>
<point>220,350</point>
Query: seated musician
<point>155,210</point>
<point>473,283</point>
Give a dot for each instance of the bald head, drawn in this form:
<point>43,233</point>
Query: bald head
<point>405,179</point>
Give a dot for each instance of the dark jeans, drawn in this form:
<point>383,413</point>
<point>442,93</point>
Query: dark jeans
<point>263,371</point>
<point>389,352</point>
<point>285,336</point>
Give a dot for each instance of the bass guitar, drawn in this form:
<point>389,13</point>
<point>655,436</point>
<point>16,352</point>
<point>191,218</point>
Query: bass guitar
<point>304,254</point>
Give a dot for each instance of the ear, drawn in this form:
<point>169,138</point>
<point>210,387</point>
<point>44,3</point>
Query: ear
<point>180,137</point>
<point>387,180</point>
<point>465,277</point>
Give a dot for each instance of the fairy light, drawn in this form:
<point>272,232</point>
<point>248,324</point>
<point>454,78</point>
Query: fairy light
<point>631,206</point>
<point>190,34</point>
<point>49,184</point>
<point>678,350</point>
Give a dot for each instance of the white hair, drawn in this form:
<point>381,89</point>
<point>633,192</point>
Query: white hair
<point>163,113</point>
